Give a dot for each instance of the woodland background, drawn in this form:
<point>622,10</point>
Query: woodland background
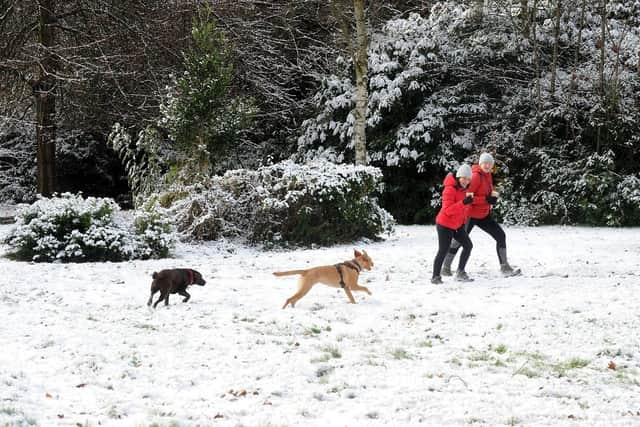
<point>109,98</point>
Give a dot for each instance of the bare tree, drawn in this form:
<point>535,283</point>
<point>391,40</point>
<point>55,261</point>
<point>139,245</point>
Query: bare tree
<point>89,63</point>
<point>44,92</point>
<point>556,43</point>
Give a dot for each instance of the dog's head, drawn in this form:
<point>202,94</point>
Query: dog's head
<point>197,278</point>
<point>363,259</point>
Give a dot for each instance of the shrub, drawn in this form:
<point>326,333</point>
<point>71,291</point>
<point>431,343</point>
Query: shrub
<point>586,191</point>
<point>286,203</point>
<point>69,228</point>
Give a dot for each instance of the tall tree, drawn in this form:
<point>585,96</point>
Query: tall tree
<point>88,63</point>
<point>556,45</point>
<point>358,51</point>
<point>44,92</point>
<point>360,61</point>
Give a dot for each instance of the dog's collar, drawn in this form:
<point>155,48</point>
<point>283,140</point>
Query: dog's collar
<point>190,273</point>
<point>355,267</point>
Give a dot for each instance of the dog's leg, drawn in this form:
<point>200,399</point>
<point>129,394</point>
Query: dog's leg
<point>185,294</point>
<point>166,298</point>
<point>357,287</point>
<point>150,298</point>
<point>347,290</point>
<point>162,296</point>
<point>303,289</point>
<point>154,289</point>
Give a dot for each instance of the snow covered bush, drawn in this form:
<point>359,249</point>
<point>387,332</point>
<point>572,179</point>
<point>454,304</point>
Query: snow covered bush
<point>585,191</point>
<point>17,166</point>
<point>70,228</point>
<point>286,203</point>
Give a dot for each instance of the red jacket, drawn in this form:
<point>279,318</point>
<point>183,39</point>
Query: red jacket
<point>453,213</point>
<point>481,186</point>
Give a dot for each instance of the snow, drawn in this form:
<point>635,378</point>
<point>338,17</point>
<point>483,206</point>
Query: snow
<point>82,348</point>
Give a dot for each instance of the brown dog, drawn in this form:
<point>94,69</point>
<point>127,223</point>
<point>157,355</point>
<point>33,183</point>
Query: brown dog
<point>344,275</point>
<point>174,281</point>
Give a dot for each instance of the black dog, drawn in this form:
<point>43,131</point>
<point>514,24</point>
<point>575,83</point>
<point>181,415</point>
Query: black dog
<point>174,281</point>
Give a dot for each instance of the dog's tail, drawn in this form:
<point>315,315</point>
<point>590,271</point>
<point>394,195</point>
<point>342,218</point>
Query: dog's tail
<point>288,273</point>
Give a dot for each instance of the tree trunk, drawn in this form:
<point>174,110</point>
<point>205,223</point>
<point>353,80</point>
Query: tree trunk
<point>524,18</point>
<point>45,102</point>
<point>603,35</point>
<point>536,55</point>
<point>573,84</point>
<point>556,42</point>
<point>579,43</point>
<point>536,59</point>
<point>362,81</point>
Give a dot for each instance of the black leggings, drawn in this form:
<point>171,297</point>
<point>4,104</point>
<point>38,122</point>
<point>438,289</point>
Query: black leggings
<point>489,226</point>
<point>445,236</point>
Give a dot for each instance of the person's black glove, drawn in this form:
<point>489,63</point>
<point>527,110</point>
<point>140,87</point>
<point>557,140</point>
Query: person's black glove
<point>492,200</point>
<point>467,200</point>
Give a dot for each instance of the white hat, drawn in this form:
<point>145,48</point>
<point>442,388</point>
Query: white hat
<point>486,158</point>
<point>464,171</point>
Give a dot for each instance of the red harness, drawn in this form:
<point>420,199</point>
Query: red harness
<point>190,272</point>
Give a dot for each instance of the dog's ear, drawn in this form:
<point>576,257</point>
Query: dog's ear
<point>356,253</point>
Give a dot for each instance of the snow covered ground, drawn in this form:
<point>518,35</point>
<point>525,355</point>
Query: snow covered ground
<point>556,347</point>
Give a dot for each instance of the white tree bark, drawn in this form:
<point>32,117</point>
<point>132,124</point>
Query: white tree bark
<point>362,70</point>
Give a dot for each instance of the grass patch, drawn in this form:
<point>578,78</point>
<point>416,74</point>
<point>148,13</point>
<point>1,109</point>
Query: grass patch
<point>480,356</point>
<point>512,421</point>
<point>400,354</point>
<point>17,417</point>
<point>455,361</point>
<point>627,376</point>
<point>561,369</point>
<point>332,351</point>
<point>528,372</point>
<point>533,355</point>
<point>146,326</point>
<point>324,358</point>
<point>316,330</point>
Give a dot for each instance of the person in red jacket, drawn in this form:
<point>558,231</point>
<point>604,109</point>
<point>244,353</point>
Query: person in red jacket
<point>450,221</point>
<point>484,198</point>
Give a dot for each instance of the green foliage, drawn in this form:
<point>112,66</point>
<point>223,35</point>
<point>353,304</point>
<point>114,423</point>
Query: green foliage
<point>586,191</point>
<point>202,115</point>
<point>68,228</point>
<point>146,160</point>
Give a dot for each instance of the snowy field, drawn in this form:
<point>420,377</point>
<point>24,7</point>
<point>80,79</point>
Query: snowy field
<point>556,347</point>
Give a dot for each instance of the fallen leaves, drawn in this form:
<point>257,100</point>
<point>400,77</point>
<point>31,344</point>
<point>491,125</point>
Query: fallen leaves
<point>239,393</point>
